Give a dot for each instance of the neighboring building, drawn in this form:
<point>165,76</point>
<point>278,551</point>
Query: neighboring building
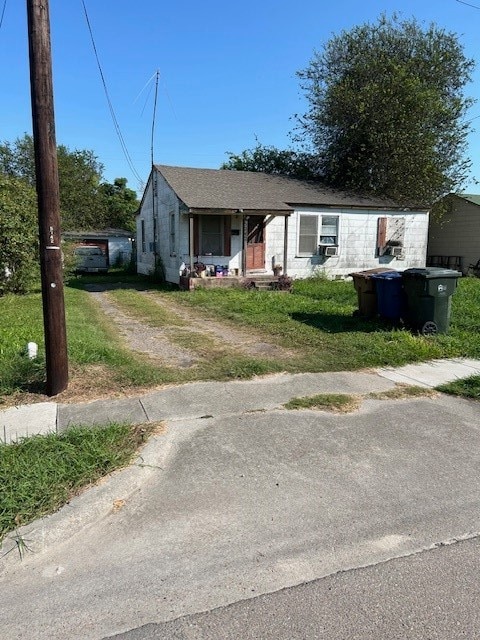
<point>454,241</point>
<point>247,223</point>
<point>116,244</point>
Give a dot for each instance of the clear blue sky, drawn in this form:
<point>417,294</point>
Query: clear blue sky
<point>227,72</point>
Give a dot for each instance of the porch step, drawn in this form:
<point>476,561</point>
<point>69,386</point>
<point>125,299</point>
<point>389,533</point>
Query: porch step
<point>262,283</point>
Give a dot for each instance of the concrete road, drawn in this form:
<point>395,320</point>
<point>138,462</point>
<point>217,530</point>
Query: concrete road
<point>433,595</point>
<point>227,508</point>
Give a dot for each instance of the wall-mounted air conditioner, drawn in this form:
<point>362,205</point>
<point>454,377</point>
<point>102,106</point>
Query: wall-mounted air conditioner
<point>396,252</point>
<point>328,250</point>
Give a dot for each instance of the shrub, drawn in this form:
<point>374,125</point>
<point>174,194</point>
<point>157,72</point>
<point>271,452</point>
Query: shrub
<point>19,258</point>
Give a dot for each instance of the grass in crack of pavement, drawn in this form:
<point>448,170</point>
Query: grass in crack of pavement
<point>40,474</point>
<point>402,392</point>
<point>467,388</point>
<point>336,402</point>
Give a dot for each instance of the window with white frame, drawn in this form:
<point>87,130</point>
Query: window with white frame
<point>307,235</point>
<point>329,230</point>
<point>315,230</point>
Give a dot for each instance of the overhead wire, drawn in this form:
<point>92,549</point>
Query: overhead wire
<point>109,102</point>
<point>3,13</point>
<point>468,4</point>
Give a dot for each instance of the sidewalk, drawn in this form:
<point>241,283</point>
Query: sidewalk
<point>200,399</point>
<point>247,502</point>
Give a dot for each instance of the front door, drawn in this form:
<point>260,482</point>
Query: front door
<point>255,243</point>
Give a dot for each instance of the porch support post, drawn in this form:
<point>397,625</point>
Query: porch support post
<point>244,249</point>
<point>191,243</point>
<point>285,245</point>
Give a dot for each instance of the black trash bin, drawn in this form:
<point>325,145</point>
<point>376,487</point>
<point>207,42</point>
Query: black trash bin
<point>390,295</point>
<point>429,296</point>
<point>367,290</point>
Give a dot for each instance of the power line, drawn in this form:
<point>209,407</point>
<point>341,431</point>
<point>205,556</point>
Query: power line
<point>3,13</point>
<point>109,102</point>
<point>468,4</point>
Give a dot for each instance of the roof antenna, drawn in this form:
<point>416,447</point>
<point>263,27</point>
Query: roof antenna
<point>154,112</point>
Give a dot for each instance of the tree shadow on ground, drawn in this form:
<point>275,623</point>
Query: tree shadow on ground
<point>338,323</point>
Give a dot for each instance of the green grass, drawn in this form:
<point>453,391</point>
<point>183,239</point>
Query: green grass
<point>402,392</point>
<point>215,360</point>
<point>337,402</point>
<point>317,320</point>
<point>145,308</point>
<point>467,388</point>
<point>91,341</point>
<point>40,474</point>
<point>315,323</point>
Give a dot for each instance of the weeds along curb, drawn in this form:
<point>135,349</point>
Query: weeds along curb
<point>91,505</point>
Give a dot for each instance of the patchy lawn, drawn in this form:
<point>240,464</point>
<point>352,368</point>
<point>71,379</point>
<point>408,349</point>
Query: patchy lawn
<point>214,334</point>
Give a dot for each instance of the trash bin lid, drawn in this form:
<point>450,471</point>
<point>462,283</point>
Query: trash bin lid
<point>368,273</point>
<point>387,275</point>
<point>431,272</point>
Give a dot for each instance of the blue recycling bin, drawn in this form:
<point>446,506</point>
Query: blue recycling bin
<point>391,298</point>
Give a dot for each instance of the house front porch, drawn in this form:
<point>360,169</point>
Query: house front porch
<point>263,282</point>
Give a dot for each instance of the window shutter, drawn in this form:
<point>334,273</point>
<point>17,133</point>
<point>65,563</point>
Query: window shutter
<point>381,234</point>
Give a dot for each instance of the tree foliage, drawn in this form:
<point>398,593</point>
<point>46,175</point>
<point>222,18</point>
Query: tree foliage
<point>19,260</point>
<point>269,159</point>
<point>86,201</point>
<point>387,111</point>
<point>121,204</point>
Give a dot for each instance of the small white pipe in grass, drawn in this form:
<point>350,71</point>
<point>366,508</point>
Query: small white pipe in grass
<point>32,350</point>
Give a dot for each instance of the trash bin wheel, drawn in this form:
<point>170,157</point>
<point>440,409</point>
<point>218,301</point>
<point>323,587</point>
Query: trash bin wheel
<point>429,329</point>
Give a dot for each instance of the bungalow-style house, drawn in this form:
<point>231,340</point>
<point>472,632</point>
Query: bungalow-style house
<point>214,223</point>
<point>454,240</point>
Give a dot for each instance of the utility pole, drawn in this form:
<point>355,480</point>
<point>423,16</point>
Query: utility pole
<point>48,195</point>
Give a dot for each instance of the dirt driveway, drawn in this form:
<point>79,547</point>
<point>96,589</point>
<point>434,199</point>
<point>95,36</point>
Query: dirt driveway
<point>161,344</point>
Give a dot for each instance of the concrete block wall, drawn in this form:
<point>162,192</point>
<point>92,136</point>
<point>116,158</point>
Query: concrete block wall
<point>357,235</point>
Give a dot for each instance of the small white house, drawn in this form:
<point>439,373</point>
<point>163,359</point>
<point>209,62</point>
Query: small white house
<point>243,223</point>
<point>454,240</point>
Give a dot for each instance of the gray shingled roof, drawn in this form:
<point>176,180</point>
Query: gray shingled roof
<point>248,190</point>
<point>470,197</point>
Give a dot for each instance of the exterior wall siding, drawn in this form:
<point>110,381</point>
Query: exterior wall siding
<point>357,243</point>
<point>357,239</point>
<point>458,234</point>
<point>165,204</point>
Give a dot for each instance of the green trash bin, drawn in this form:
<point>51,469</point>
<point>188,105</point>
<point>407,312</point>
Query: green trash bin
<point>429,297</point>
<point>366,289</point>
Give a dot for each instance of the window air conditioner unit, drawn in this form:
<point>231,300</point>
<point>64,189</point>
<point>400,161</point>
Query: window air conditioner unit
<point>329,250</point>
<point>396,252</point>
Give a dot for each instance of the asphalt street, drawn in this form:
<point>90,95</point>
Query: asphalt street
<point>240,501</point>
<point>434,595</point>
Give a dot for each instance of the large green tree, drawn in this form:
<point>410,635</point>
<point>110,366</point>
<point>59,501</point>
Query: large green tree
<point>121,204</point>
<point>387,110</point>
<point>269,159</point>
<point>19,262</point>
<point>87,202</point>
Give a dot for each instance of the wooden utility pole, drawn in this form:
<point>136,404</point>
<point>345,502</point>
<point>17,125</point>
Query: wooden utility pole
<point>48,195</point>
